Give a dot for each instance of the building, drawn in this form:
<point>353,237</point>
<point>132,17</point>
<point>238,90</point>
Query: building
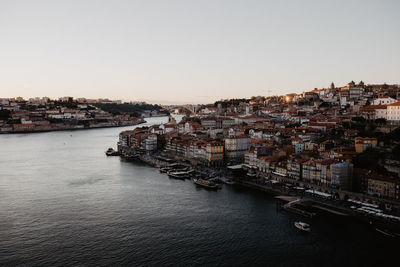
<point>298,147</point>
<point>393,112</point>
<point>385,100</point>
<point>374,112</point>
<point>363,143</point>
<point>294,168</point>
<point>355,93</point>
<point>251,156</point>
<point>215,153</point>
<point>151,142</point>
<point>266,164</point>
<point>317,171</point>
<point>23,127</point>
<point>192,127</point>
<point>382,186</point>
<point>235,147</point>
<point>341,175</point>
<point>209,123</point>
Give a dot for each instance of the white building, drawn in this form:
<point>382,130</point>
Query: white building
<point>374,112</point>
<point>355,93</point>
<point>386,100</point>
<point>381,112</point>
<point>151,142</point>
<point>393,112</point>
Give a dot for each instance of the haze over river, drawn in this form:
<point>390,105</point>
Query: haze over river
<point>63,202</point>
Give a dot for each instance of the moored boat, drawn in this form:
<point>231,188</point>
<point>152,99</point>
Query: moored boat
<point>302,226</point>
<point>385,232</point>
<point>165,169</point>
<point>179,174</point>
<point>205,183</point>
<point>111,152</point>
<point>228,181</point>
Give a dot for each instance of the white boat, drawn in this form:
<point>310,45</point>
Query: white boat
<point>111,152</point>
<point>385,232</point>
<point>302,226</point>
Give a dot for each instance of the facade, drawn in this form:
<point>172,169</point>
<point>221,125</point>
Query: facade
<point>298,147</point>
<point>294,168</point>
<point>382,187</point>
<point>124,138</point>
<point>355,93</point>
<point>151,142</point>
<point>393,112</point>
<point>235,148</point>
<point>251,156</point>
<point>192,127</point>
<point>317,171</point>
<point>208,123</point>
<point>341,175</point>
<point>266,164</point>
<point>363,143</point>
<point>215,153</point>
<point>386,100</point>
<point>374,112</point>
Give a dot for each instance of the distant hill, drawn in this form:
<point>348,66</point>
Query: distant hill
<point>135,110</point>
<point>231,102</point>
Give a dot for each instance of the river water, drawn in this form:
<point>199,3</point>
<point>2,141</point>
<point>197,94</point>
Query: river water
<point>63,202</point>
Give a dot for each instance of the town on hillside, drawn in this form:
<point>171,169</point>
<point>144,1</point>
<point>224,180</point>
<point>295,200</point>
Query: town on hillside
<point>18,115</point>
<point>341,143</point>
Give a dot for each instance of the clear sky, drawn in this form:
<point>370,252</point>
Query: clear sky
<point>194,51</point>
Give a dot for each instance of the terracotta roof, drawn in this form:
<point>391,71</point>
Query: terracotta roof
<point>365,139</point>
<point>397,104</point>
<point>373,107</point>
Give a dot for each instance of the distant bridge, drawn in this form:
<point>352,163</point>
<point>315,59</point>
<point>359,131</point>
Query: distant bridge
<point>182,109</point>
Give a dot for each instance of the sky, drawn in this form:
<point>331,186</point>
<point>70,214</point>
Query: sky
<point>175,52</point>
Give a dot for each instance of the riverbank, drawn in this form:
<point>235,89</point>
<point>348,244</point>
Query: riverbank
<point>72,128</point>
<point>307,207</point>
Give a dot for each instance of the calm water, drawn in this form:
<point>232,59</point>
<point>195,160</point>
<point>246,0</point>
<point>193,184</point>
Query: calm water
<point>63,202</point>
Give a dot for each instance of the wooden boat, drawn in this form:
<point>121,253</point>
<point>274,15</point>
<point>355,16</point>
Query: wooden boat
<point>205,183</point>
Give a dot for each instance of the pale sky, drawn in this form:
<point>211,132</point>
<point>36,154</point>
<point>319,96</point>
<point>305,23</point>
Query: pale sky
<point>194,51</point>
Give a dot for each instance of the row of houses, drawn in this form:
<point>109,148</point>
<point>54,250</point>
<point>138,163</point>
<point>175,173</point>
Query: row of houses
<point>271,163</point>
<point>382,108</point>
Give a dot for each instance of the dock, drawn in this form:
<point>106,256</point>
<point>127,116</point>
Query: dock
<point>291,206</point>
<point>330,210</point>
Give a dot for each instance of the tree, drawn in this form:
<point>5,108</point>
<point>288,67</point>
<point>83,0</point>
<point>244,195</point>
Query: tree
<point>370,160</point>
<point>381,121</point>
<point>4,114</point>
<point>358,119</point>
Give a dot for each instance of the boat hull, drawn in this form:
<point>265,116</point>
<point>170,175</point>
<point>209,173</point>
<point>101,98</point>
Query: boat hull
<point>302,227</point>
<point>206,185</point>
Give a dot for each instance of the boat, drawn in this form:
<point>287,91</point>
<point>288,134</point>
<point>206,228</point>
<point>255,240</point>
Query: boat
<point>179,174</point>
<point>111,152</point>
<point>205,183</point>
<point>131,156</point>
<point>251,174</point>
<point>302,226</point>
<point>165,169</point>
<point>228,181</point>
<point>385,232</point>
